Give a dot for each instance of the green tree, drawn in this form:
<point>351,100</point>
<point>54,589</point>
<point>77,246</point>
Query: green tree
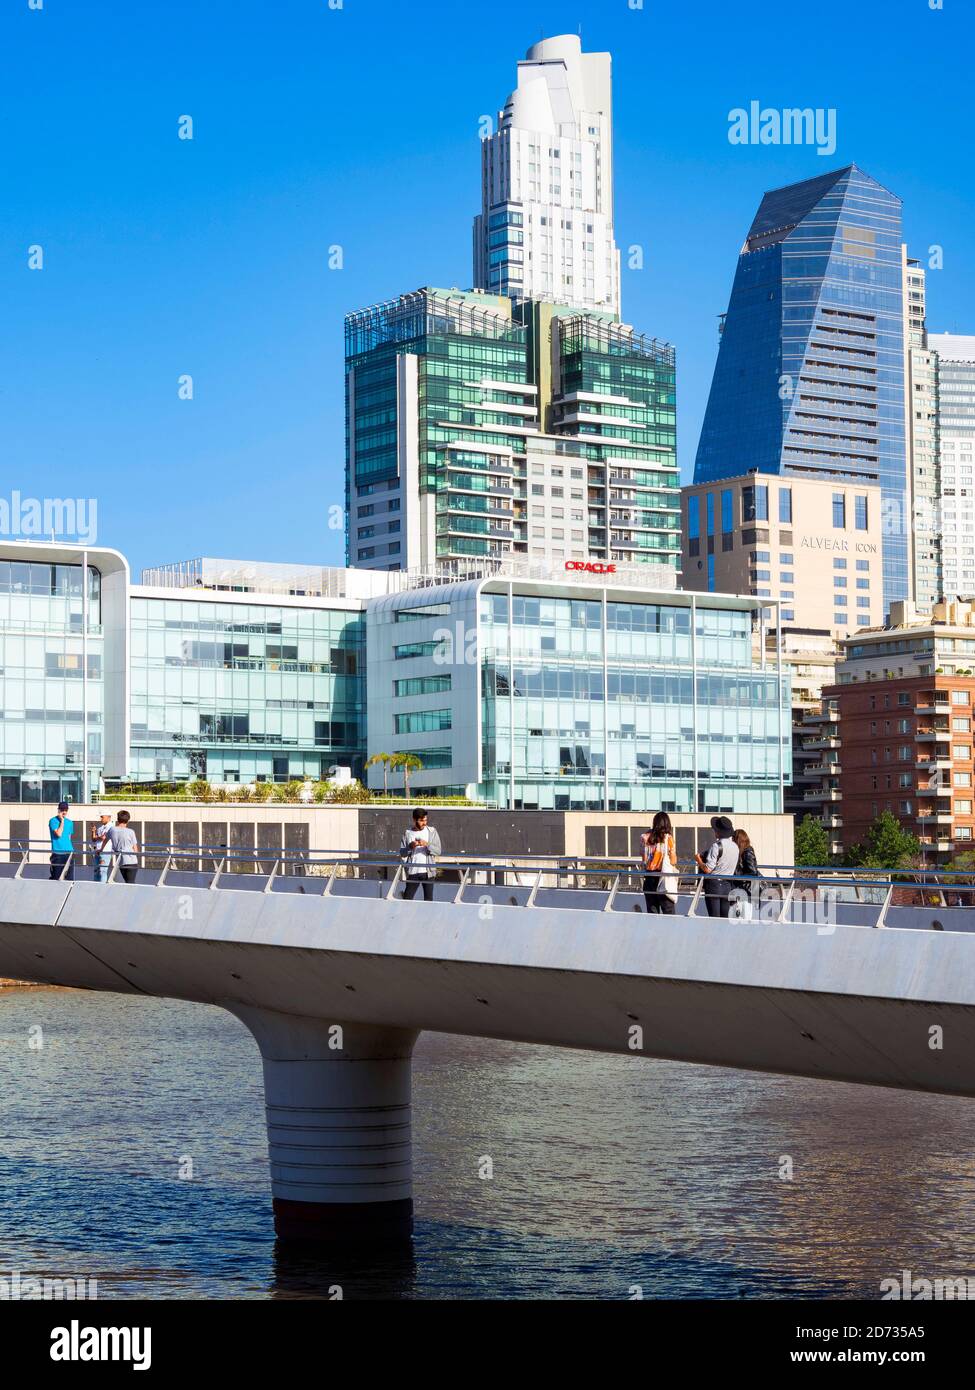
<point>886,845</point>
<point>407,763</point>
<point>382,760</point>
<point>811,842</point>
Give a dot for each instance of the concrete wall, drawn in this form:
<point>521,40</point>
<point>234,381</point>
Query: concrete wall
<point>341,829</point>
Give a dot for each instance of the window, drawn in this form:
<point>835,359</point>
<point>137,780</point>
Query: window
<point>787,577</point>
<point>409,649</point>
<point>839,510</point>
<point>959,697</point>
<point>785,505</point>
<point>961,779</point>
<point>754,503</point>
<point>839,564</point>
<point>421,685</point>
<point>859,513</point>
<point>839,581</point>
<point>863,565</point>
<point>840,619</point>
<point>422,721</point>
<point>963,832</point>
<point>710,512</point>
<point>863,583</point>
<point>905,808</point>
<point>963,808</point>
<point>862,601</point>
<point>961,726</point>
<point>962,751</point>
<point>727,511</point>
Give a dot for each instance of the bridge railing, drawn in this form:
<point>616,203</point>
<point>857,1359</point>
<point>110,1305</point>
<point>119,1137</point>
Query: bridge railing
<point>823,893</point>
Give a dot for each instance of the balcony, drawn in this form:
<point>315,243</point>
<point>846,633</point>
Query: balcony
<point>825,769</point>
<point>932,708</point>
<point>824,794</point>
<point>934,818</point>
<point>932,735</point>
<point>818,745</point>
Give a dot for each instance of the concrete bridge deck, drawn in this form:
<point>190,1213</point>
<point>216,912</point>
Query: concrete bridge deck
<point>335,978</point>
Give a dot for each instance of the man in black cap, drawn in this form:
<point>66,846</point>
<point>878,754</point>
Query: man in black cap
<point>61,829</point>
<point>719,865</point>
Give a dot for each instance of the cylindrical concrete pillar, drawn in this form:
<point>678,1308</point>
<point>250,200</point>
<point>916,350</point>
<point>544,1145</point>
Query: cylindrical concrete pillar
<point>338,1101</point>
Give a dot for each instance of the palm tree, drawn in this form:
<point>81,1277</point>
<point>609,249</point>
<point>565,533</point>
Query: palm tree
<point>386,761</point>
<point>409,762</point>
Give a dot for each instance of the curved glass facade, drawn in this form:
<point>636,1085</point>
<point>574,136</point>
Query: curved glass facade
<point>47,692</point>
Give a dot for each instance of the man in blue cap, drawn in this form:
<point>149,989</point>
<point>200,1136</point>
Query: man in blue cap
<point>61,829</point>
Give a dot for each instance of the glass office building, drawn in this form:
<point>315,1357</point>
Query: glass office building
<point>483,429</point>
<point>62,725</point>
<point>579,696</point>
<point>238,691</point>
<point>810,372</point>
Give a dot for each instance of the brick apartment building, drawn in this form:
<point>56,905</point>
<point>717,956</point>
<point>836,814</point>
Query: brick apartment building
<point>896,731</point>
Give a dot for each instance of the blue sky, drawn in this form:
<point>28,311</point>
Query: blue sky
<point>358,127</point>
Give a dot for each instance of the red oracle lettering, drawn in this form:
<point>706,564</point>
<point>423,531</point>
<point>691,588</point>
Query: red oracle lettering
<point>590,567</point>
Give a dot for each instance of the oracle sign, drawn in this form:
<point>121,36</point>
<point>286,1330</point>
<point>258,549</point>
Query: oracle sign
<point>590,567</point>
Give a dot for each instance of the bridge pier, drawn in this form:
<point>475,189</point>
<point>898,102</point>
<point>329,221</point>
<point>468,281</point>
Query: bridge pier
<point>338,1103</point>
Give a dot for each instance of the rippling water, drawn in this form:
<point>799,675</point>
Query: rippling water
<point>607,1171</point>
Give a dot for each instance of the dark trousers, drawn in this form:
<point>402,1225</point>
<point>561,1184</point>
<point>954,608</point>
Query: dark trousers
<point>716,892</point>
<point>58,862</point>
<point>657,901</point>
<point>412,884</point>
<point>128,872</point>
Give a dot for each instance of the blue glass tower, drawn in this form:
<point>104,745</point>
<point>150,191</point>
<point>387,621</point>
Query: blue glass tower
<point>809,379</point>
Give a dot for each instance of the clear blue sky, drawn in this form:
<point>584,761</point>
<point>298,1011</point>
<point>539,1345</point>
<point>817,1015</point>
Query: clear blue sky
<point>358,126</point>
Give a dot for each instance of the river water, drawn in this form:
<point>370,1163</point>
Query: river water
<point>133,1151</point>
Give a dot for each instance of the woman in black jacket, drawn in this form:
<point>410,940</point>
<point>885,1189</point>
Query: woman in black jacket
<point>745,888</point>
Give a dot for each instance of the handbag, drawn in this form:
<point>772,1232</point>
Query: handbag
<point>667,883</point>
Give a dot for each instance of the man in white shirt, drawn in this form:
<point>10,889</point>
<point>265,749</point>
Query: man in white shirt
<point>101,850</point>
<point>418,849</point>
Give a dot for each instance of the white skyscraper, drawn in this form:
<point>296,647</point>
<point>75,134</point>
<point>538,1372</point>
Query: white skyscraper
<point>955,365</point>
<point>545,230</point>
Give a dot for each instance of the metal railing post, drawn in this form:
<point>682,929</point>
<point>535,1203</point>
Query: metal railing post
<point>531,895</point>
<point>331,879</point>
<point>270,878</point>
<point>458,896</point>
<point>882,919</point>
<point>692,909</point>
<point>787,897</point>
<point>165,870</point>
<point>390,891</point>
<point>611,896</point>
<point>216,874</point>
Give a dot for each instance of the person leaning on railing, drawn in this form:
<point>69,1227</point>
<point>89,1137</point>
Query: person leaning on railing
<point>719,865</point>
<point>121,839</point>
<point>659,859</point>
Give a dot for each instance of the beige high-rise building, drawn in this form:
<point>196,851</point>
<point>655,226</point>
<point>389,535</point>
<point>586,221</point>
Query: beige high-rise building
<point>813,544</point>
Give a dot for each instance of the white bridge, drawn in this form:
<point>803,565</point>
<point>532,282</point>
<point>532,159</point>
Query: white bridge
<point>335,975</point>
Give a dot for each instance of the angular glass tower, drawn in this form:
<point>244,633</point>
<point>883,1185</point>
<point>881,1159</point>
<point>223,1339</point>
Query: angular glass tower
<point>810,372</point>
